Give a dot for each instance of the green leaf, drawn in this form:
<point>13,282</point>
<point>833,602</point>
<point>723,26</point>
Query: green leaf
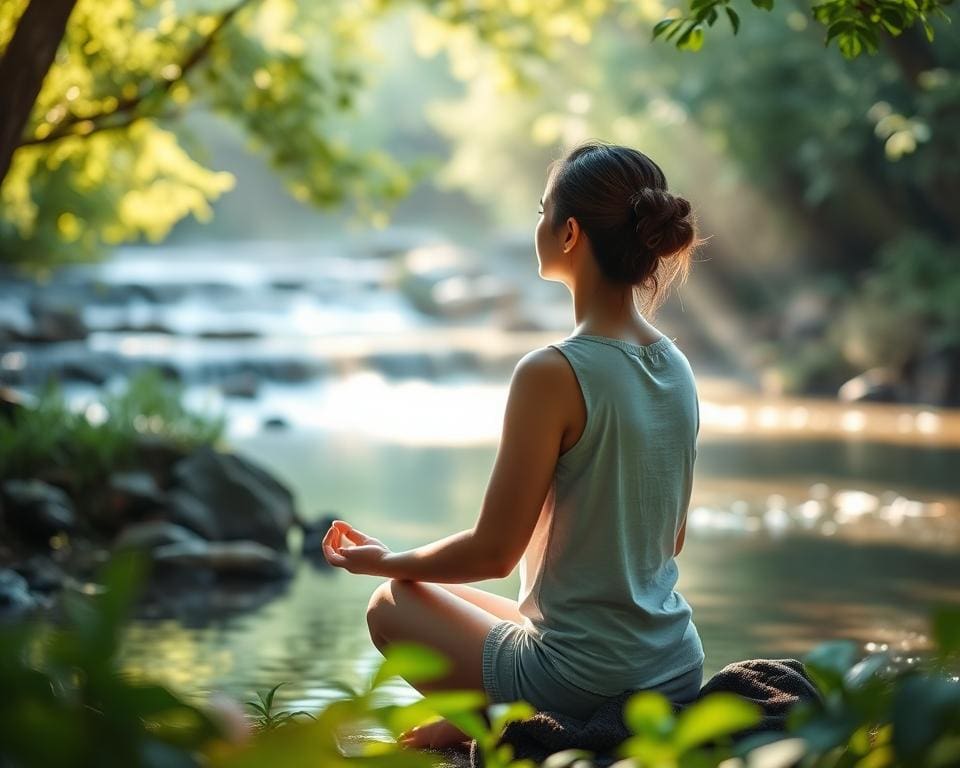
<point>271,694</point>
<point>922,707</point>
<point>946,629</point>
<point>734,19</point>
<point>892,20</point>
<point>827,731</point>
<point>694,39</point>
<point>864,670</point>
<point>850,45</point>
<point>448,702</point>
<point>661,26</point>
<point>452,705</point>
<point>471,723</point>
<point>649,713</point>
<point>837,28</point>
<point>828,662</point>
<point>285,747</point>
<point>717,714</point>
<point>345,688</point>
<point>676,29</point>
<point>411,661</point>
<point>644,751</point>
<point>508,712</point>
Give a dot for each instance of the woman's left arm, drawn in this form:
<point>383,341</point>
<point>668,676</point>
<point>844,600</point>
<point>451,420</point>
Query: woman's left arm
<point>533,428</point>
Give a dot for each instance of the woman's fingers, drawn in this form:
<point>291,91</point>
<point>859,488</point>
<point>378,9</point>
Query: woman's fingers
<point>354,535</point>
<point>331,537</point>
<point>330,540</point>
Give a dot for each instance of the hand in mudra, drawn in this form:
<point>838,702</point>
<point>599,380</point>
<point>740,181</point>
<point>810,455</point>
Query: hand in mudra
<point>346,547</point>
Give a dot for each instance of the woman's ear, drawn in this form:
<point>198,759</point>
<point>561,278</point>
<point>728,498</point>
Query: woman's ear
<point>572,234</point>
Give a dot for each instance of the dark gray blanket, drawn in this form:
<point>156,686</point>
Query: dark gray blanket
<point>774,684</point>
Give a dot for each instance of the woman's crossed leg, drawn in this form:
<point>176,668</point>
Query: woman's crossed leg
<point>451,618</point>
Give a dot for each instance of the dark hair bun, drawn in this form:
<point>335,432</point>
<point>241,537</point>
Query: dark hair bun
<point>662,222</point>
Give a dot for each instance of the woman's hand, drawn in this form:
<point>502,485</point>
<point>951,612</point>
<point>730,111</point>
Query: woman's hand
<point>346,547</point>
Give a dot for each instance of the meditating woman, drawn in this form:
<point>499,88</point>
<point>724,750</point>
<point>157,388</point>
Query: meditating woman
<point>591,482</point>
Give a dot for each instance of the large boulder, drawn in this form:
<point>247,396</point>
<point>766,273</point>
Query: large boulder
<point>42,573</point>
<point>36,509</point>
<point>152,534</point>
<point>157,455</point>
<point>15,598</point>
<point>125,497</point>
<point>879,384</point>
<point>240,500</point>
<point>55,320</point>
<point>185,510</point>
<point>224,558</point>
<point>133,493</point>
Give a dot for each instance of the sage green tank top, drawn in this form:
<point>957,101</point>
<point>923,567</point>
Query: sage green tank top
<point>598,574</point>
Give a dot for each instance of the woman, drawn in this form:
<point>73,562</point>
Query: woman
<point>591,482</point>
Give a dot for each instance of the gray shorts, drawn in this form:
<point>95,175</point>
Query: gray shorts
<point>515,668</point>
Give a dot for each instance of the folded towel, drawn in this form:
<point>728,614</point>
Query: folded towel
<point>774,684</point>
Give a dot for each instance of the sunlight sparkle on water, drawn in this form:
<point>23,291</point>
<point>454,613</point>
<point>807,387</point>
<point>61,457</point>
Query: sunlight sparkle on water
<point>927,422</point>
<point>853,421</point>
<point>854,514</point>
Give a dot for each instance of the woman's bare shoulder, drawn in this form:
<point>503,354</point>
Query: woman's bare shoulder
<point>548,360</point>
<point>556,376</point>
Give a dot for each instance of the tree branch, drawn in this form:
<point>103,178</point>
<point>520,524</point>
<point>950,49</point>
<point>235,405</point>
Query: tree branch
<point>129,106</point>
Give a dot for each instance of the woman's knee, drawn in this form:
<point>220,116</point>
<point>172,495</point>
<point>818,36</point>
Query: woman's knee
<point>381,607</point>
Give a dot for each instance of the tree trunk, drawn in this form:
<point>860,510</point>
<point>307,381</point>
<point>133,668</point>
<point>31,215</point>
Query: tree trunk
<point>24,66</point>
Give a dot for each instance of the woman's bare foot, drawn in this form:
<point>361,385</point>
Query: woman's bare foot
<point>439,734</point>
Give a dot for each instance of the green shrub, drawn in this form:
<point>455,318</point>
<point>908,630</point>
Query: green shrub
<point>51,437</point>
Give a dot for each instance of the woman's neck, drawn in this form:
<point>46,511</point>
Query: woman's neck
<point>609,311</point>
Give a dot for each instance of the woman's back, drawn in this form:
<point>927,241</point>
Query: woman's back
<point>597,577</point>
